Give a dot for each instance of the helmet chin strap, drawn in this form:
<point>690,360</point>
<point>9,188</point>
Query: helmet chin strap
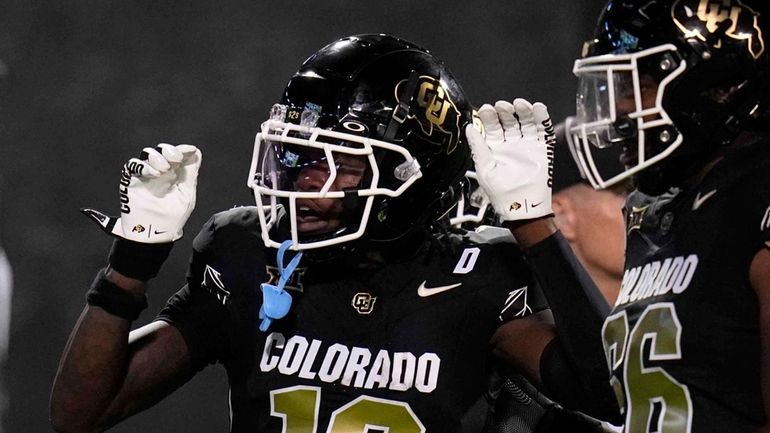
<point>401,112</point>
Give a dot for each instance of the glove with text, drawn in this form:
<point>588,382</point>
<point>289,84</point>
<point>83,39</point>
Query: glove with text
<point>157,196</point>
<point>514,158</point>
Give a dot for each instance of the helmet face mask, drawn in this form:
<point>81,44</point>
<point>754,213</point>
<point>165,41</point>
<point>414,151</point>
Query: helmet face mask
<point>291,172</point>
<point>666,85</point>
<point>620,111</point>
<point>365,143</point>
<point>472,206</point>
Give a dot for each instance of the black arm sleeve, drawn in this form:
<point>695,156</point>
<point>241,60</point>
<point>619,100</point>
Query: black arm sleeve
<point>573,368</point>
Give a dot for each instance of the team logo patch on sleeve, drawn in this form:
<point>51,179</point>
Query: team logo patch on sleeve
<point>212,282</point>
<point>516,304</point>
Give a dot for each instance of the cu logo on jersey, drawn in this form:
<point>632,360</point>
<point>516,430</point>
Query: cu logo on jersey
<point>437,114</point>
<point>709,16</point>
<point>363,302</point>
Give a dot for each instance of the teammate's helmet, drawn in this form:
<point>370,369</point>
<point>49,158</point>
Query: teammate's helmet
<point>667,84</point>
<point>380,122</point>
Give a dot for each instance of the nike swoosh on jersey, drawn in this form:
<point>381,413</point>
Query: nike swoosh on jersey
<point>700,199</point>
<point>423,291</point>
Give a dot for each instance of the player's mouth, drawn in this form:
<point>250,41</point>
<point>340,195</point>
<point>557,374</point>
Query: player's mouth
<point>629,157</point>
<point>310,219</point>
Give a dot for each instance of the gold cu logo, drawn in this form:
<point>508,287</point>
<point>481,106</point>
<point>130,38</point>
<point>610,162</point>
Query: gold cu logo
<point>363,302</point>
<point>438,116</point>
<point>435,102</point>
<point>710,14</point>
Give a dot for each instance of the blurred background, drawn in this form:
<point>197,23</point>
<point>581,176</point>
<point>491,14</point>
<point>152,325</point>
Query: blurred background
<point>84,85</point>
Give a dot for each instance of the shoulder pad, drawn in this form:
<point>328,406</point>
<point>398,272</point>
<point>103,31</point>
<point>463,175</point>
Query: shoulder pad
<point>242,219</point>
<point>491,235</point>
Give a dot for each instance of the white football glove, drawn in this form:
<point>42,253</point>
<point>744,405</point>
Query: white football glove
<point>514,159</point>
<point>157,195</point>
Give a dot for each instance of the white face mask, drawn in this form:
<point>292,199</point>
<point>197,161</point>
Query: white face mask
<point>618,107</point>
<point>286,155</point>
<point>471,207</point>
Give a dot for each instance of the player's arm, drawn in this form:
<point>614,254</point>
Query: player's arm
<point>513,163</point>
<point>106,372</point>
<point>759,276</point>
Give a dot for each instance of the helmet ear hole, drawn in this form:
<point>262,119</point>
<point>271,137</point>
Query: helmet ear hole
<point>625,127</point>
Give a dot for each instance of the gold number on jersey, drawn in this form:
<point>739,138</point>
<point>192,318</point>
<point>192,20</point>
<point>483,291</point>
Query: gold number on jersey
<point>659,330</point>
<point>298,407</point>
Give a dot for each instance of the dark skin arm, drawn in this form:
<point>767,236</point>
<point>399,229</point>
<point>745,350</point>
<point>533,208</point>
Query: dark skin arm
<point>521,342</point>
<point>108,373</point>
<point>759,276</point>
<point>551,350</point>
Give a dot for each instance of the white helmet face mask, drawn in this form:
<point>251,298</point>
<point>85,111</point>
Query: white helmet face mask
<point>471,207</point>
<point>325,182</point>
<point>619,108</point>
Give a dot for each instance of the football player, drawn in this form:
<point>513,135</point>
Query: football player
<point>329,303</point>
<point>677,92</point>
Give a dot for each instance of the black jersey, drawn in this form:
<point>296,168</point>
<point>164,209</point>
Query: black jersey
<point>399,348</point>
<point>683,339</point>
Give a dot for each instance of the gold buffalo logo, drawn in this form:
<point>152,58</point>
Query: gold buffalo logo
<point>701,18</point>
<point>436,114</point>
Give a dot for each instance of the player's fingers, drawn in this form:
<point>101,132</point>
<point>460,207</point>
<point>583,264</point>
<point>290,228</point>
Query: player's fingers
<point>138,168</point>
<point>523,110</point>
<point>170,152</point>
<point>188,176</point>
<point>545,129</point>
<point>187,149</point>
<point>491,123</point>
<point>507,119</point>
<point>482,156</point>
<point>155,159</point>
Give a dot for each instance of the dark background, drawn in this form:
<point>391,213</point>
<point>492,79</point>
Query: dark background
<point>84,85</point>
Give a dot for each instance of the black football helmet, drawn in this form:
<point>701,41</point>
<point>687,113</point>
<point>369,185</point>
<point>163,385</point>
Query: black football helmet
<point>380,122</point>
<point>666,85</point>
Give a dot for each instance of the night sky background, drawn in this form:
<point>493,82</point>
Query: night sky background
<point>85,85</point>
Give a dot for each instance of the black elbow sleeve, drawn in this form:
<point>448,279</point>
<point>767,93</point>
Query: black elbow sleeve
<point>590,394</point>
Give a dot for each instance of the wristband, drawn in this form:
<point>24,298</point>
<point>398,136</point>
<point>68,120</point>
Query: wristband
<point>137,260</point>
<point>113,299</point>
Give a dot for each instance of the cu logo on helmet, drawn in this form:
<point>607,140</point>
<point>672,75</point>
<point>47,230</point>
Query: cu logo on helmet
<point>436,113</point>
<point>701,18</point>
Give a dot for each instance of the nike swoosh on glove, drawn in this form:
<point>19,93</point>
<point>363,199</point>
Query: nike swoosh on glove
<point>514,159</point>
<point>157,195</point>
